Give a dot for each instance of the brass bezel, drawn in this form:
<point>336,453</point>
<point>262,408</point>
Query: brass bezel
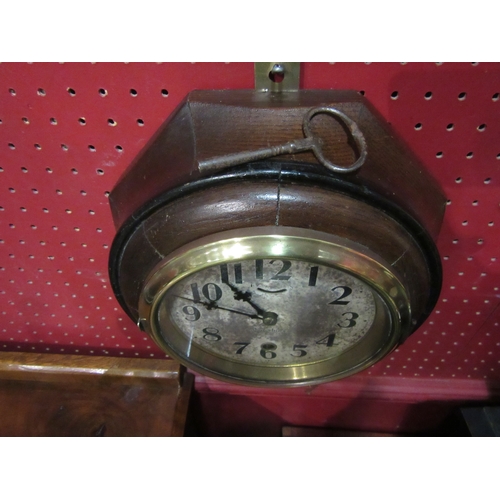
<point>392,322</point>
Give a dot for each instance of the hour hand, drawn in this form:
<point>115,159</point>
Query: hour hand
<point>269,318</point>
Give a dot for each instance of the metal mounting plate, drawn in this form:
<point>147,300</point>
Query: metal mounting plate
<point>277,76</point>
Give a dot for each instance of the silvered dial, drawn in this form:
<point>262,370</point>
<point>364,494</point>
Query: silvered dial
<point>270,312</point>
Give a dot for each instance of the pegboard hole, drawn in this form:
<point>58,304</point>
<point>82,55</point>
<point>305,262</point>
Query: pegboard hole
<point>53,121</point>
<point>64,147</point>
<point>439,154</point>
<point>418,126</point>
<point>475,203</point>
<point>495,96</point>
<point>458,180</point>
<point>450,127</point>
<point>133,92</point>
<point>82,121</point>
<point>38,147</point>
<point>480,241</point>
<point>74,171</point>
<point>71,91</point>
<point>140,122</point>
<point>487,180</point>
<point>164,92</point>
<point>395,95</point>
<point>469,155</point>
<point>34,190</point>
<point>24,170</point>
<point>48,170</point>
<point>103,92</point>
<point>465,223</point>
<point>25,120</point>
<point>41,92</point>
<point>482,127</point>
<point>83,193</point>
<point>462,96</point>
<point>12,145</point>
<point>91,148</point>
<point>100,171</point>
<point>119,148</point>
<point>428,95</point>
<point>111,122</point>
<point>12,91</point>
<point>491,223</point>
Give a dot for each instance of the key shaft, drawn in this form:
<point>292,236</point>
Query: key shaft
<point>232,160</point>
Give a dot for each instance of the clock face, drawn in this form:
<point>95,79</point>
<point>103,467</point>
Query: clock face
<point>274,306</point>
<point>270,312</point>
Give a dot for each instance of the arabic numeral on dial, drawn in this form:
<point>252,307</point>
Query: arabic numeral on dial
<point>350,320</point>
<point>299,350</point>
<point>346,291</point>
<point>224,273</point>
<point>238,273</point>
<point>243,345</point>
<point>328,340</point>
<point>195,292</point>
<point>211,334</point>
<point>259,269</point>
<point>191,311</point>
<point>211,291</point>
<point>286,265</point>
<point>267,350</point>
<point>313,276</point>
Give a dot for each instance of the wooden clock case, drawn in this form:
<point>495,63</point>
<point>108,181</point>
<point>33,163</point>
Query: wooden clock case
<point>391,205</point>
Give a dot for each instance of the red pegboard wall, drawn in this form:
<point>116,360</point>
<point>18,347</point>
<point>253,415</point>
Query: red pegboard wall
<point>67,132</point>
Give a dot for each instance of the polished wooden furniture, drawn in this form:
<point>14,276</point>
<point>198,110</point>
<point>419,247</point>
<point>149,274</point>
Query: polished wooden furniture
<point>59,395</point>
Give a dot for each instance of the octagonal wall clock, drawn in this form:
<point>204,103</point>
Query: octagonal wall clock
<point>276,238</point>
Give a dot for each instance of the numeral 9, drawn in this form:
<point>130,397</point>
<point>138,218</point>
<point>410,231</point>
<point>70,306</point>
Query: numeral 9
<point>191,311</point>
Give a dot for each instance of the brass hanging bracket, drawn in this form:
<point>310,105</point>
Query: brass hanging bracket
<point>277,76</point>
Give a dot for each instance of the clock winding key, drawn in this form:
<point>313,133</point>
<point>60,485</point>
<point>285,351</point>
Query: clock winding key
<point>308,143</point>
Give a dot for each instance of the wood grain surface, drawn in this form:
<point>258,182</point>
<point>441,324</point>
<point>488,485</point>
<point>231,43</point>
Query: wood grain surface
<point>214,123</point>
<point>62,395</point>
<point>248,203</point>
